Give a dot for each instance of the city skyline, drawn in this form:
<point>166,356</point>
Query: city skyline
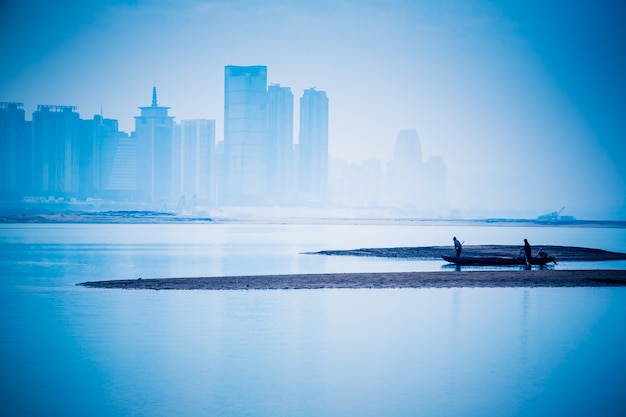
<point>163,161</point>
<point>512,97</point>
<point>68,158</point>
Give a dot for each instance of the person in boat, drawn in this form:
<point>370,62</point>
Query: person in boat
<point>528,250</point>
<point>458,246</point>
<point>542,254</point>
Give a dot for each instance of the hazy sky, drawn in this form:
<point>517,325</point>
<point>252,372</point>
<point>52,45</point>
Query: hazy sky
<point>524,101</point>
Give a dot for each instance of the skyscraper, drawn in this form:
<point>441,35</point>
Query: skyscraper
<point>56,151</point>
<point>280,144</point>
<point>121,179</point>
<point>313,146</point>
<point>115,160</point>
<point>404,171</point>
<point>245,136</point>
<point>194,161</point>
<point>153,133</point>
<point>15,152</point>
<point>99,137</point>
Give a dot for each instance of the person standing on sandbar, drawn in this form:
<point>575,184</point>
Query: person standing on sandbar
<point>528,251</point>
<point>457,246</point>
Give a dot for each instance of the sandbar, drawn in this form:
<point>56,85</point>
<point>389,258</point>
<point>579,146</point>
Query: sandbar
<point>561,253</point>
<point>477,278</point>
<point>444,279</point>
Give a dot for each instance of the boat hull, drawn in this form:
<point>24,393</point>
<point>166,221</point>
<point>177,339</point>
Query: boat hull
<point>495,260</point>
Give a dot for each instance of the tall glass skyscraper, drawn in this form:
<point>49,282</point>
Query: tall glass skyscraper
<point>245,168</point>
<point>280,144</point>
<point>313,147</point>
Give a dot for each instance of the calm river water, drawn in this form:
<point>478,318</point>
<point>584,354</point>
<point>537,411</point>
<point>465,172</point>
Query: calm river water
<point>72,351</point>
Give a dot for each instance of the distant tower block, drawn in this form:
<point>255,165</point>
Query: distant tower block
<point>245,170</point>
<point>313,146</point>
<point>153,133</point>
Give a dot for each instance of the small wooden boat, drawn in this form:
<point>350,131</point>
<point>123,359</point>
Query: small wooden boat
<point>497,260</point>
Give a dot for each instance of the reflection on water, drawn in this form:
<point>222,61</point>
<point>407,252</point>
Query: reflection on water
<point>437,352</point>
<point>72,351</point>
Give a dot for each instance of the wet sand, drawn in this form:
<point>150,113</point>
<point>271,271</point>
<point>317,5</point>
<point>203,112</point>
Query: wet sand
<point>446,279</point>
<point>561,253</point>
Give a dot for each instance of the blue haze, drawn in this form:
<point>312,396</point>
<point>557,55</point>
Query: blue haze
<point>524,102</point>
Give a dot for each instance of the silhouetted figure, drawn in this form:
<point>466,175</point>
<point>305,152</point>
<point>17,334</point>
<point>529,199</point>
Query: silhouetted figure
<point>528,251</point>
<point>542,254</point>
<point>457,246</point>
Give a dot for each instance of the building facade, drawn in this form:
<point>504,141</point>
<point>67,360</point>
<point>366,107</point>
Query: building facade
<point>15,152</point>
<point>193,164</point>
<point>245,166</point>
<point>56,151</point>
<point>404,171</point>
<point>114,166</point>
<point>313,147</point>
<point>153,136</point>
<point>280,178</point>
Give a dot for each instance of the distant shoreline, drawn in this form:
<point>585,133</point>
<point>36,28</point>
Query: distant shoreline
<point>448,279</point>
<point>282,217</point>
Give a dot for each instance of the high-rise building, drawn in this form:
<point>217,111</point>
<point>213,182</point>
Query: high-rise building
<point>153,134</point>
<point>15,152</point>
<point>56,151</point>
<point>121,180</point>
<point>114,161</point>
<point>313,147</point>
<point>98,144</point>
<point>404,171</point>
<point>245,163</point>
<point>280,178</point>
<point>194,161</point>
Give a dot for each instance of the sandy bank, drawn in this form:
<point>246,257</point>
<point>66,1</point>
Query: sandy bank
<point>448,279</point>
<point>561,253</point>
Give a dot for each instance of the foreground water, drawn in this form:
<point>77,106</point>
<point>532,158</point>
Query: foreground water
<point>67,350</point>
